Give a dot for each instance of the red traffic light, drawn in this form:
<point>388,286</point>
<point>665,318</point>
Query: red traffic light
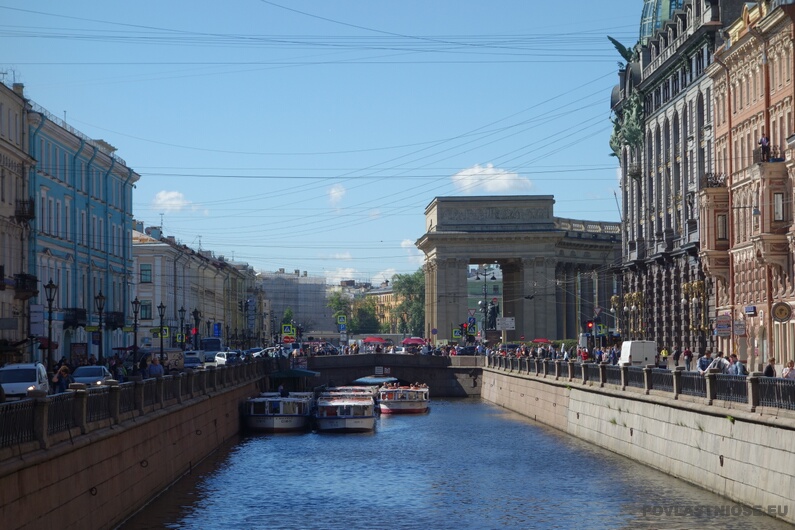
<point>194,331</point>
<point>589,324</point>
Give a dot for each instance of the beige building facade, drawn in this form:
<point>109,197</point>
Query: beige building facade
<point>557,273</point>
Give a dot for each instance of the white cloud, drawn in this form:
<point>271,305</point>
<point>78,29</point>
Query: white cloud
<point>478,180</point>
<point>336,193</point>
<point>384,275</point>
<point>170,201</point>
<point>334,277</point>
<point>415,256</point>
<point>342,256</point>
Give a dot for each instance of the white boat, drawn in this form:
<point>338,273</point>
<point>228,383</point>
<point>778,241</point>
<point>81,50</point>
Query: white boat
<point>341,412</point>
<point>270,412</point>
<point>413,399</point>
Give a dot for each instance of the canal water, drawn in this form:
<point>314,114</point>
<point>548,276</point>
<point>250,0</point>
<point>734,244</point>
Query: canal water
<point>465,465</point>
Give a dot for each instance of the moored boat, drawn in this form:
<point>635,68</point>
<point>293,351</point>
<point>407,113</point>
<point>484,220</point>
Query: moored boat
<point>345,412</point>
<point>412,399</point>
<point>272,412</point>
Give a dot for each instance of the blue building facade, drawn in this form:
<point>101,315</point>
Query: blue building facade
<point>80,238</point>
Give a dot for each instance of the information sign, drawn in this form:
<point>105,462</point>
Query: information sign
<point>723,325</point>
<point>506,323</point>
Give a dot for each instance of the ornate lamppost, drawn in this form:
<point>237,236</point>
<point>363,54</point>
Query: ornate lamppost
<point>99,303</point>
<point>196,316</point>
<point>485,308</point>
<point>182,324</point>
<point>161,310</point>
<point>136,307</point>
<point>51,290</point>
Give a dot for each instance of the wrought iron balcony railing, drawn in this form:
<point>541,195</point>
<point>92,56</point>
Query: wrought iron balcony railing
<point>25,286</point>
<point>25,210</point>
<point>75,317</point>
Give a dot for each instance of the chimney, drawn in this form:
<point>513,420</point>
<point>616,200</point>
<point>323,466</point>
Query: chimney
<point>19,89</point>
<point>297,272</point>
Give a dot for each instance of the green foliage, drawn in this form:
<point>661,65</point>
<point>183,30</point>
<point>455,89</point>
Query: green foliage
<point>288,316</point>
<point>730,418</point>
<point>410,290</point>
<point>363,317</point>
<point>339,304</point>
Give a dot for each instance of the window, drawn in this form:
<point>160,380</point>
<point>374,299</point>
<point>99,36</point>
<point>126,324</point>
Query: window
<point>146,273</point>
<point>723,232</point>
<point>146,310</point>
<point>778,207</point>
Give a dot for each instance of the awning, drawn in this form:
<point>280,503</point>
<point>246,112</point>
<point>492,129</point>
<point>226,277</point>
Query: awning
<point>375,380</point>
<point>294,372</point>
<point>371,340</point>
<point>44,344</point>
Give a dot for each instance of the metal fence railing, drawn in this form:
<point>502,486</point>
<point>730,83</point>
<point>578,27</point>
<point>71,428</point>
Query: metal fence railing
<point>150,388</point>
<point>731,388</point>
<point>777,392</point>
<point>635,377</point>
<point>16,422</point>
<point>168,388</point>
<point>576,370</point>
<point>61,415</point>
<point>564,370</point>
<point>98,403</point>
<point>694,384</point>
<point>613,375</point>
<point>662,379</point>
<point>126,397</point>
<point>592,372</point>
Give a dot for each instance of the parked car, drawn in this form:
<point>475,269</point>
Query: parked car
<point>91,375</point>
<point>17,379</point>
<point>193,362</point>
<point>468,350</point>
<point>234,357</point>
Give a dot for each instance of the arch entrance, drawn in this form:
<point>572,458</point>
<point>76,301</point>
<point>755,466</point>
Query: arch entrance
<point>555,272</point>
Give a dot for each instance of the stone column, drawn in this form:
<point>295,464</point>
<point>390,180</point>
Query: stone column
<point>189,380</point>
<point>647,381</point>
<point>80,407</point>
<point>584,374</point>
<point>180,380</point>
<point>557,369</point>
<point>712,386</point>
<point>114,395</point>
<point>753,390</point>
<point>139,396</point>
<point>159,391</point>
<point>677,373</point>
<point>624,376</point>
<point>41,418</point>
<point>602,374</point>
<point>571,370</point>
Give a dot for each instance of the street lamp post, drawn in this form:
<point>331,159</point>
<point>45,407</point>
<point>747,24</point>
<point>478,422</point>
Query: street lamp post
<point>182,324</point>
<point>485,308</point>
<point>51,290</point>
<point>136,306</point>
<point>99,302</point>
<point>196,316</point>
<point>161,310</point>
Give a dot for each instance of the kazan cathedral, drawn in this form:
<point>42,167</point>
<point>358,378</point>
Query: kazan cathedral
<point>708,242</point>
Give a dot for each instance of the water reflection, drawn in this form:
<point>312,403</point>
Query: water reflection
<point>467,464</point>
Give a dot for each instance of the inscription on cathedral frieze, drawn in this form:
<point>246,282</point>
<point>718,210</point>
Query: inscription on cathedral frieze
<point>494,214</point>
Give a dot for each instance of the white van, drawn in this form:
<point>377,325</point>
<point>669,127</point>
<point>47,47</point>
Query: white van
<point>638,352</point>
<point>17,379</point>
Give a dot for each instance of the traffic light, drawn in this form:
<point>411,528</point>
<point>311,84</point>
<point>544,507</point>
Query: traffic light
<point>240,305</point>
<point>589,326</point>
<point>465,328</point>
<point>194,331</point>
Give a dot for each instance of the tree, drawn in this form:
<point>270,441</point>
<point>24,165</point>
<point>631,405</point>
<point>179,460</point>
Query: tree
<point>410,290</point>
<point>340,304</point>
<point>363,316</point>
<point>287,318</point>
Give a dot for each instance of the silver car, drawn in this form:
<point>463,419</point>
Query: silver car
<point>91,375</point>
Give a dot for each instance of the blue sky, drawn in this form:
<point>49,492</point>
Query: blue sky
<point>311,135</point>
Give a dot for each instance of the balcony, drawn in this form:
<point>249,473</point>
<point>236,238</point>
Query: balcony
<point>775,155</point>
<point>25,211</point>
<point>75,317</point>
<point>114,320</point>
<point>713,180</point>
<point>26,286</point>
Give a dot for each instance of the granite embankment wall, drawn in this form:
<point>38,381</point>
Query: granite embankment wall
<point>747,457</point>
<point>95,474</point>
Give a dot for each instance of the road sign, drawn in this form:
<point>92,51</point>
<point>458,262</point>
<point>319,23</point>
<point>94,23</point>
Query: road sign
<point>342,320</point>
<point>434,331</point>
<point>506,323</point>
<point>343,337</point>
<point>723,325</point>
<point>456,333</point>
<point>287,329</point>
<point>596,311</point>
<point>287,339</point>
<point>739,328</point>
<point>471,321</point>
<point>471,312</point>
<point>472,329</point>
<point>343,328</point>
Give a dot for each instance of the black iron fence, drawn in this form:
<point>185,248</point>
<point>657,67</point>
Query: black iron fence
<point>613,375</point>
<point>731,388</point>
<point>635,377</point>
<point>693,384</point>
<point>563,370</point>
<point>593,372</point>
<point>662,379</point>
<point>26,421</point>
<point>776,392</point>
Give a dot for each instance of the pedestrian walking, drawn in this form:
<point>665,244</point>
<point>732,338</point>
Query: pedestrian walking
<point>688,355</point>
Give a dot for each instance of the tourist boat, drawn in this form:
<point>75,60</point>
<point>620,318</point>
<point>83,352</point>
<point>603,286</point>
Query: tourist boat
<point>345,412</point>
<point>271,412</point>
<point>412,399</point>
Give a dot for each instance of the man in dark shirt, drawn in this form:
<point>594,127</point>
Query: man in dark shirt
<point>770,369</point>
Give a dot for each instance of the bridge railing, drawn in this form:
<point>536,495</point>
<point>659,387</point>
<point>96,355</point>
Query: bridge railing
<point>41,420</point>
<point>753,390</point>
